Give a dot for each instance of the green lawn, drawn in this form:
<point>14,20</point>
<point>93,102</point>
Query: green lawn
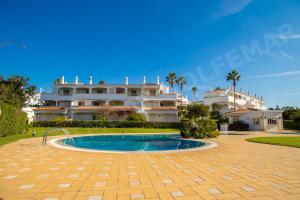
<point>282,141</point>
<point>40,131</point>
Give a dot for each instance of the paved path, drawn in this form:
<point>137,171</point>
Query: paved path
<point>236,169</point>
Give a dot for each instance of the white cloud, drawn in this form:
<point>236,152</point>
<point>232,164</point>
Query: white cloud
<point>229,7</point>
<point>286,55</point>
<point>287,73</point>
<point>289,37</point>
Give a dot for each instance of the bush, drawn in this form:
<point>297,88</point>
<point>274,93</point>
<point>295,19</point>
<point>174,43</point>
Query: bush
<point>201,128</point>
<point>59,119</point>
<point>12,120</point>
<point>296,118</point>
<point>289,124</point>
<point>108,124</point>
<point>206,128</point>
<point>137,117</point>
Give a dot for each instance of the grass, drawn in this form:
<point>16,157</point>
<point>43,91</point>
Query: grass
<point>40,131</point>
<point>281,141</point>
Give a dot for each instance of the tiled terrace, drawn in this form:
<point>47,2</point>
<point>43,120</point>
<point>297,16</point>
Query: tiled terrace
<point>236,169</point>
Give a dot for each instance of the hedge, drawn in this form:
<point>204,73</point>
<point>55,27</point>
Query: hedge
<point>107,124</point>
<point>289,124</point>
<point>12,120</point>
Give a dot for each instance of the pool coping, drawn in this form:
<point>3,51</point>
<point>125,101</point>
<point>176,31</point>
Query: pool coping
<point>54,143</point>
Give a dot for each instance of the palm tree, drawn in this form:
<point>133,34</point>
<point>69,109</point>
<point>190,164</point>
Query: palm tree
<point>233,76</point>
<point>194,91</point>
<point>171,78</point>
<point>56,81</point>
<point>181,82</point>
<point>101,82</point>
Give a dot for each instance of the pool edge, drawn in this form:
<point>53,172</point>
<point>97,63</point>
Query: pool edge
<point>54,143</point>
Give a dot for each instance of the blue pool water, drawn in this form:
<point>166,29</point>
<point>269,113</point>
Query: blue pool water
<point>132,142</point>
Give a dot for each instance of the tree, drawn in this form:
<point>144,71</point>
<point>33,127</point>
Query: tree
<point>57,81</point>
<point>171,78</point>
<point>215,111</point>
<point>16,90</point>
<point>136,117</point>
<point>194,91</point>
<point>233,76</point>
<point>195,111</point>
<point>102,82</point>
<point>218,88</point>
<point>181,82</point>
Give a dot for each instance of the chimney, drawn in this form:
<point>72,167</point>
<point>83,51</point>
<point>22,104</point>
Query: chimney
<point>62,80</point>
<point>144,79</point>
<point>126,80</point>
<point>157,80</point>
<point>90,80</point>
<point>76,79</point>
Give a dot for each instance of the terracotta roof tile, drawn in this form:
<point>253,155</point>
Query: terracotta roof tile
<point>49,108</point>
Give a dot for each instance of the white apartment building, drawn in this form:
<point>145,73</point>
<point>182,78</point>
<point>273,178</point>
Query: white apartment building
<point>79,101</point>
<point>224,97</point>
<point>249,109</point>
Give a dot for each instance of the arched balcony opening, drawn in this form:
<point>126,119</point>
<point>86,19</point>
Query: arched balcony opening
<point>65,91</point>
<point>99,90</point>
<point>82,90</point>
<point>98,103</point>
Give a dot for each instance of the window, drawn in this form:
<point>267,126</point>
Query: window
<point>66,92</point>
<point>133,92</point>
<point>256,121</point>
<point>272,121</point>
<point>152,92</point>
<point>81,103</point>
<point>120,90</point>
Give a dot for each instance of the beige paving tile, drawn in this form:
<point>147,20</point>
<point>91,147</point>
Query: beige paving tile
<point>236,169</point>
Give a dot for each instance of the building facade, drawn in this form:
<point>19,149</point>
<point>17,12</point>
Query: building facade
<point>224,98</point>
<point>258,120</point>
<point>78,101</point>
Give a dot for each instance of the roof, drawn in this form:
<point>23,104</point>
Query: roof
<point>159,108</point>
<point>105,108</point>
<point>46,108</point>
<point>242,111</point>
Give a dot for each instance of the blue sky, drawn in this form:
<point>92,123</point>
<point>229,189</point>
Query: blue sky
<point>202,40</point>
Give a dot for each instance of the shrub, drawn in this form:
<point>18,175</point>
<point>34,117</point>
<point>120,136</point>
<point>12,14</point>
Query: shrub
<point>206,128</point>
<point>59,119</point>
<point>100,117</point>
<point>12,120</point>
<point>296,118</point>
<point>136,117</point>
<point>201,128</point>
<point>289,124</point>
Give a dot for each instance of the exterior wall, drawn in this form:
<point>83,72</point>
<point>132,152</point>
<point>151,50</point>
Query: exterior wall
<point>133,95</point>
<point>47,116</point>
<point>260,120</point>
<point>160,116</point>
<point>83,116</point>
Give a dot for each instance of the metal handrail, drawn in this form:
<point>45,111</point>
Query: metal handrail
<point>66,132</point>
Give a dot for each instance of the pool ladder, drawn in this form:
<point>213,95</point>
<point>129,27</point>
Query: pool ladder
<point>66,132</point>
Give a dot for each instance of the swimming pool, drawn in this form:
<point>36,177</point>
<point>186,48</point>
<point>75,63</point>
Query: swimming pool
<point>131,143</point>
